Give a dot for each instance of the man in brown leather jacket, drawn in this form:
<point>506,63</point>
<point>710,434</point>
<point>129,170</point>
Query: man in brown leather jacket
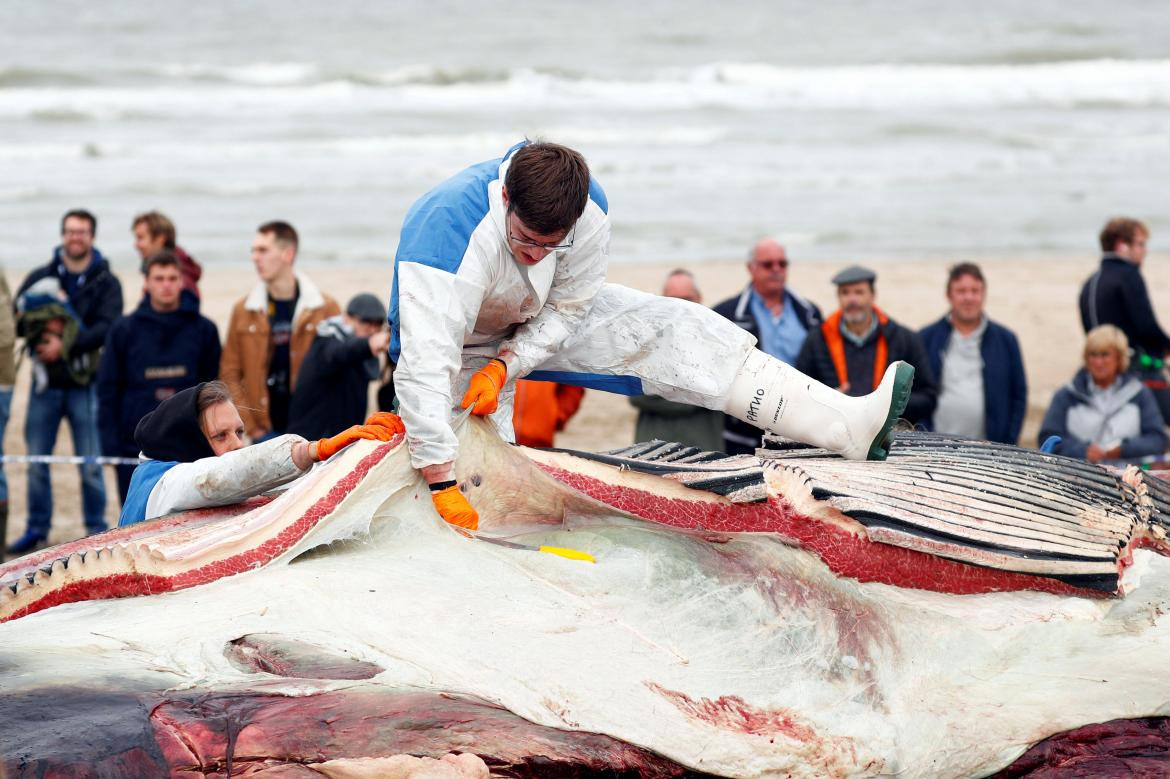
<point>270,332</point>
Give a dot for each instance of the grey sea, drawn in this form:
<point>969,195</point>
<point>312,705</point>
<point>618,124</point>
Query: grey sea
<point>851,129</point>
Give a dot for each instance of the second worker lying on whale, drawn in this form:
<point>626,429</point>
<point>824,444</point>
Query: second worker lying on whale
<point>500,275</point>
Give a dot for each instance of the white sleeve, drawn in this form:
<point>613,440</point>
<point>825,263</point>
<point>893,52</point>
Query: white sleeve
<point>579,276</point>
<point>229,478</point>
<point>437,310</point>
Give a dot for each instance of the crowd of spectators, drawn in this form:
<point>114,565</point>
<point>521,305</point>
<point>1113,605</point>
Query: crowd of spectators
<point>294,362</point>
<point>969,371</point>
<point>104,371</point>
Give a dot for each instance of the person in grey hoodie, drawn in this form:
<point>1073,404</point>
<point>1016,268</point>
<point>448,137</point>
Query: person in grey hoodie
<point>1105,414</point>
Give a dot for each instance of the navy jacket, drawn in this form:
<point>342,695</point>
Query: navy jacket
<point>740,437</point>
<point>148,357</point>
<point>1116,295</point>
<point>738,309</point>
<point>97,301</point>
<point>1005,387</point>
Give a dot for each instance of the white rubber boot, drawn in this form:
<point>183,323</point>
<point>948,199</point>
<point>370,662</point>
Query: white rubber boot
<point>776,397</point>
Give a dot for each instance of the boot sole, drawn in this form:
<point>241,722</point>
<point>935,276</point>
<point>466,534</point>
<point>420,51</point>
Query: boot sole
<point>879,449</point>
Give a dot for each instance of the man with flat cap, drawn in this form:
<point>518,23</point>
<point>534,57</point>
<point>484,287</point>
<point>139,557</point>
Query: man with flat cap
<point>852,347</point>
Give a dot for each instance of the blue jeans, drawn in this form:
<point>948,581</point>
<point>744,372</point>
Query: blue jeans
<point>45,410</point>
<point>5,407</point>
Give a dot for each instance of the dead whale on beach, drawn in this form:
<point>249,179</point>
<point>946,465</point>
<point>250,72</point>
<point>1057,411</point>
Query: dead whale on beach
<point>957,610</point>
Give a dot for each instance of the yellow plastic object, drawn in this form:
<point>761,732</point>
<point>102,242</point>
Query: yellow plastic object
<point>568,554</point>
<point>559,551</point>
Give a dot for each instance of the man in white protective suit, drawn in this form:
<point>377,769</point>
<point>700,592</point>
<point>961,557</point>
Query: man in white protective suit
<point>500,275</point>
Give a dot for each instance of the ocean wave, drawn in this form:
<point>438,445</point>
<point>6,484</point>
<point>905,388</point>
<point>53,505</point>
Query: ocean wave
<point>260,74</point>
<point>366,147</point>
<point>37,77</point>
<point>300,89</point>
<point>291,74</point>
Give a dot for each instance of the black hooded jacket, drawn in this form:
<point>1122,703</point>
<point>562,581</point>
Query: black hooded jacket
<point>334,383</point>
<point>149,356</point>
<point>1116,295</point>
<point>170,433</point>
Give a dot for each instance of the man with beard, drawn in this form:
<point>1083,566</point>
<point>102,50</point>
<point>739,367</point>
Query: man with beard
<point>851,349</point>
<point>65,351</point>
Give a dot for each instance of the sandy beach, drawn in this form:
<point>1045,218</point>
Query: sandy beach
<point>1034,296</point>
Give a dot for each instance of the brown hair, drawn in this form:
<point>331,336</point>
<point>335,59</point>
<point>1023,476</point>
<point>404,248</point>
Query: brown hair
<point>157,224</point>
<point>282,232</point>
<point>212,393</point>
<point>80,213</point>
<point>965,269</point>
<point>1121,229</point>
<point>548,187</point>
<point>166,259</point>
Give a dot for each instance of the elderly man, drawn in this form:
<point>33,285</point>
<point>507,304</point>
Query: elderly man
<point>778,318</point>
<point>983,392</point>
<point>851,349</point>
<point>500,275</point>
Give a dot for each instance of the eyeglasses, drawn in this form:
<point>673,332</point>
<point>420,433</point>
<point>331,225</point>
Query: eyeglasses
<point>772,264</point>
<point>81,231</point>
<point>548,247</point>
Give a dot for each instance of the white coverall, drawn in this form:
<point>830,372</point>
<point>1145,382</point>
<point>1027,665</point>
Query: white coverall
<point>226,479</point>
<point>460,299</point>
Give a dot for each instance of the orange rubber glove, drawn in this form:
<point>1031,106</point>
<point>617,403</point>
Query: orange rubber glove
<point>454,508</point>
<point>327,447</point>
<point>391,422</point>
<point>484,390</point>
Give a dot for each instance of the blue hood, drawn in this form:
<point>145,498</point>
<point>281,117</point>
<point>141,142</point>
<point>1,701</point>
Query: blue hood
<point>97,264</point>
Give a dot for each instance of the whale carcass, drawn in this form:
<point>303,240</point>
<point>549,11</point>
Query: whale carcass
<point>791,614</point>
